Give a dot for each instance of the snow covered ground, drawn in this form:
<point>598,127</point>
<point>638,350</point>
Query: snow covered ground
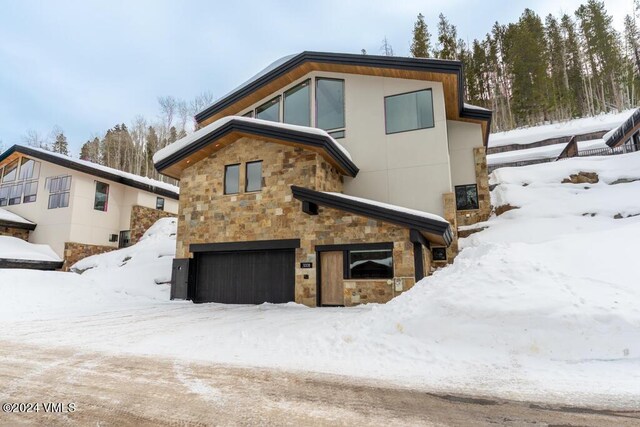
<point>543,304</point>
<point>538,153</point>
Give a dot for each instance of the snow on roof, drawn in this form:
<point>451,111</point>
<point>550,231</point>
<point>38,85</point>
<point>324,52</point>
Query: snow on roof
<point>14,248</point>
<point>5,215</point>
<point>141,179</point>
<point>528,135</point>
<point>475,107</point>
<point>397,208</point>
<point>197,135</point>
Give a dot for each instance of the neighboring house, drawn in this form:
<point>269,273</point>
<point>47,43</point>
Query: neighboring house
<point>343,182</point>
<point>76,207</point>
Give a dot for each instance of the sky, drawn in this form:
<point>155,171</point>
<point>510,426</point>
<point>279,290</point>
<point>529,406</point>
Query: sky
<point>85,66</point>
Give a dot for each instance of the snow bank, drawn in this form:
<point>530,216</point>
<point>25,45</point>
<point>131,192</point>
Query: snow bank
<point>14,248</point>
<point>603,122</point>
<point>538,153</point>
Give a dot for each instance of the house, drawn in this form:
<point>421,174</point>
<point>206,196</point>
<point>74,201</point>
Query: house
<point>77,207</point>
<point>327,179</point>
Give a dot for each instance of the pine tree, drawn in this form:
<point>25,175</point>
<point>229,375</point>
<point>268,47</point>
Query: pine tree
<point>90,150</point>
<point>151,146</point>
<point>60,144</point>
<point>573,61</point>
<point>558,95</point>
<point>447,39</point>
<point>421,44</point>
<point>386,48</point>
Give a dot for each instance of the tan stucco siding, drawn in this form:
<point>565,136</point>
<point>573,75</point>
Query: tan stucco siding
<point>463,138</point>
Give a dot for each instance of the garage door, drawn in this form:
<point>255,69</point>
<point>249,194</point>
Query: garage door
<point>245,277</point>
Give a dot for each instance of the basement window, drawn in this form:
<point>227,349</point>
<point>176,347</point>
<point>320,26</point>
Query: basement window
<point>408,111</point>
<point>232,179</point>
<point>371,264</point>
<point>466,197</point>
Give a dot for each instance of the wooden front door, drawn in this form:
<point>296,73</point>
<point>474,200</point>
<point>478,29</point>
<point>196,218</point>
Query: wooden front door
<point>331,275</point>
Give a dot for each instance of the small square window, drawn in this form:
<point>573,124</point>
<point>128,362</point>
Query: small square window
<point>254,176</point>
<point>466,197</point>
<point>232,179</point>
<point>160,203</point>
<point>439,253</point>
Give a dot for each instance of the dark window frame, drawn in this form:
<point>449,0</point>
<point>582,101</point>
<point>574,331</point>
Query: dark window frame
<point>95,197</point>
<point>306,82</point>
<point>439,249</point>
<point>348,262</point>
<point>278,100</point>
<point>61,194</point>
<point>433,118</point>
<point>465,186</point>
<point>246,177</point>
<point>160,206</point>
<point>344,103</point>
<point>224,181</point>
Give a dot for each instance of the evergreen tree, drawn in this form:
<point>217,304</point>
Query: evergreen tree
<point>151,146</point>
<point>421,44</point>
<point>447,39</point>
<point>60,144</point>
<point>573,64</point>
<point>90,150</point>
<point>386,48</point>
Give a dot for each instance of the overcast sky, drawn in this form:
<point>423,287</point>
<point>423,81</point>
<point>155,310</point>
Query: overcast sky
<point>87,65</point>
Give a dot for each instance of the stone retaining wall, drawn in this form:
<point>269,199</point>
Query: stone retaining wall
<point>20,233</point>
<point>74,252</point>
<point>142,218</point>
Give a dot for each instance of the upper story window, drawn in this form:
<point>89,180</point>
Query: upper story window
<point>466,197</point>
<point>330,104</point>
<point>269,110</point>
<point>248,114</point>
<point>101,200</point>
<point>409,111</point>
<point>160,203</point>
<point>19,182</point>
<point>297,105</point>
<point>10,172</point>
<point>59,189</point>
<point>232,179</point>
<point>29,169</point>
<point>254,176</point>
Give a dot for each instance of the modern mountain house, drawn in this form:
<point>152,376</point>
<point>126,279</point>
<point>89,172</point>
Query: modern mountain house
<point>77,207</point>
<point>327,179</point>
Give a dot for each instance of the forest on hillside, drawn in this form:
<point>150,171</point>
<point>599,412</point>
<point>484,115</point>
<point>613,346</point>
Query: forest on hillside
<point>535,70</point>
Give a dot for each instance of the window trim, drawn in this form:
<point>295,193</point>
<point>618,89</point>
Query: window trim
<point>456,197</point>
<point>246,176</point>
<point>106,202</point>
<point>384,106</point>
<point>344,103</point>
<point>279,98</point>
<point>224,180</point>
<point>284,100</point>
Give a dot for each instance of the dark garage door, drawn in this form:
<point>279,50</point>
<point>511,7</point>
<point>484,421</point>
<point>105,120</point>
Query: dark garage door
<point>245,277</point>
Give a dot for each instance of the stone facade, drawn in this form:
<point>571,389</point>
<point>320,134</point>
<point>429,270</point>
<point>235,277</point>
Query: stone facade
<point>20,233</point>
<point>142,218</point>
<point>469,217</point>
<point>207,215</point>
<point>74,252</point>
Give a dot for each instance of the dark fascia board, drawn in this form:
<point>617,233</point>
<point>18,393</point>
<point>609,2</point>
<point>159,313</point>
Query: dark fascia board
<point>30,264</point>
<point>256,245</point>
<point>375,212</point>
<point>70,164</point>
<point>20,225</point>
<point>264,130</point>
<point>377,61</point>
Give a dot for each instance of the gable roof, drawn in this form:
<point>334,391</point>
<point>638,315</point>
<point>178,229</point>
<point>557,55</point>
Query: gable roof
<point>174,158</point>
<point>289,68</point>
<point>111,174</point>
<point>434,227</point>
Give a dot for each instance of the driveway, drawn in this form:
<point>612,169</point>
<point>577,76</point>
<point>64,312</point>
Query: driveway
<point>134,391</point>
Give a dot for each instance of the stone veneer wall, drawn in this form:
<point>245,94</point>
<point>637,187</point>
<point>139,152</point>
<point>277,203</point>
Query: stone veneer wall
<point>484,199</point>
<point>74,252</point>
<point>207,215</point>
<point>20,233</point>
<point>142,218</point>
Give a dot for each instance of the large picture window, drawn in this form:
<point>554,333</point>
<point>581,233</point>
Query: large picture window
<point>409,111</point>
<point>371,264</point>
<point>59,188</point>
<point>232,179</point>
<point>329,104</point>
<point>29,169</point>
<point>297,108</point>
<point>466,197</point>
<point>254,176</point>
<point>101,200</point>
<point>269,110</point>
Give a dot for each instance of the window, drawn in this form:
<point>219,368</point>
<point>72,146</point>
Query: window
<point>29,169</point>
<point>101,200</point>
<point>337,134</point>
<point>409,111</point>
<point>329,104</point>
<point>232,179</point>
<point>10,172</point>
<point>30,191</point>
<point>439,253</point>
<point>466,197</point>
<point>248,114</point>
<point>125,239</point>
<point>4,195</point>
<point>160,203</point>
<point>297,108</point>
<point>59,187</point>
<point>15,194</point>
<point>269,110</point>
<point>371,264</point>
<point>254,176</point>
